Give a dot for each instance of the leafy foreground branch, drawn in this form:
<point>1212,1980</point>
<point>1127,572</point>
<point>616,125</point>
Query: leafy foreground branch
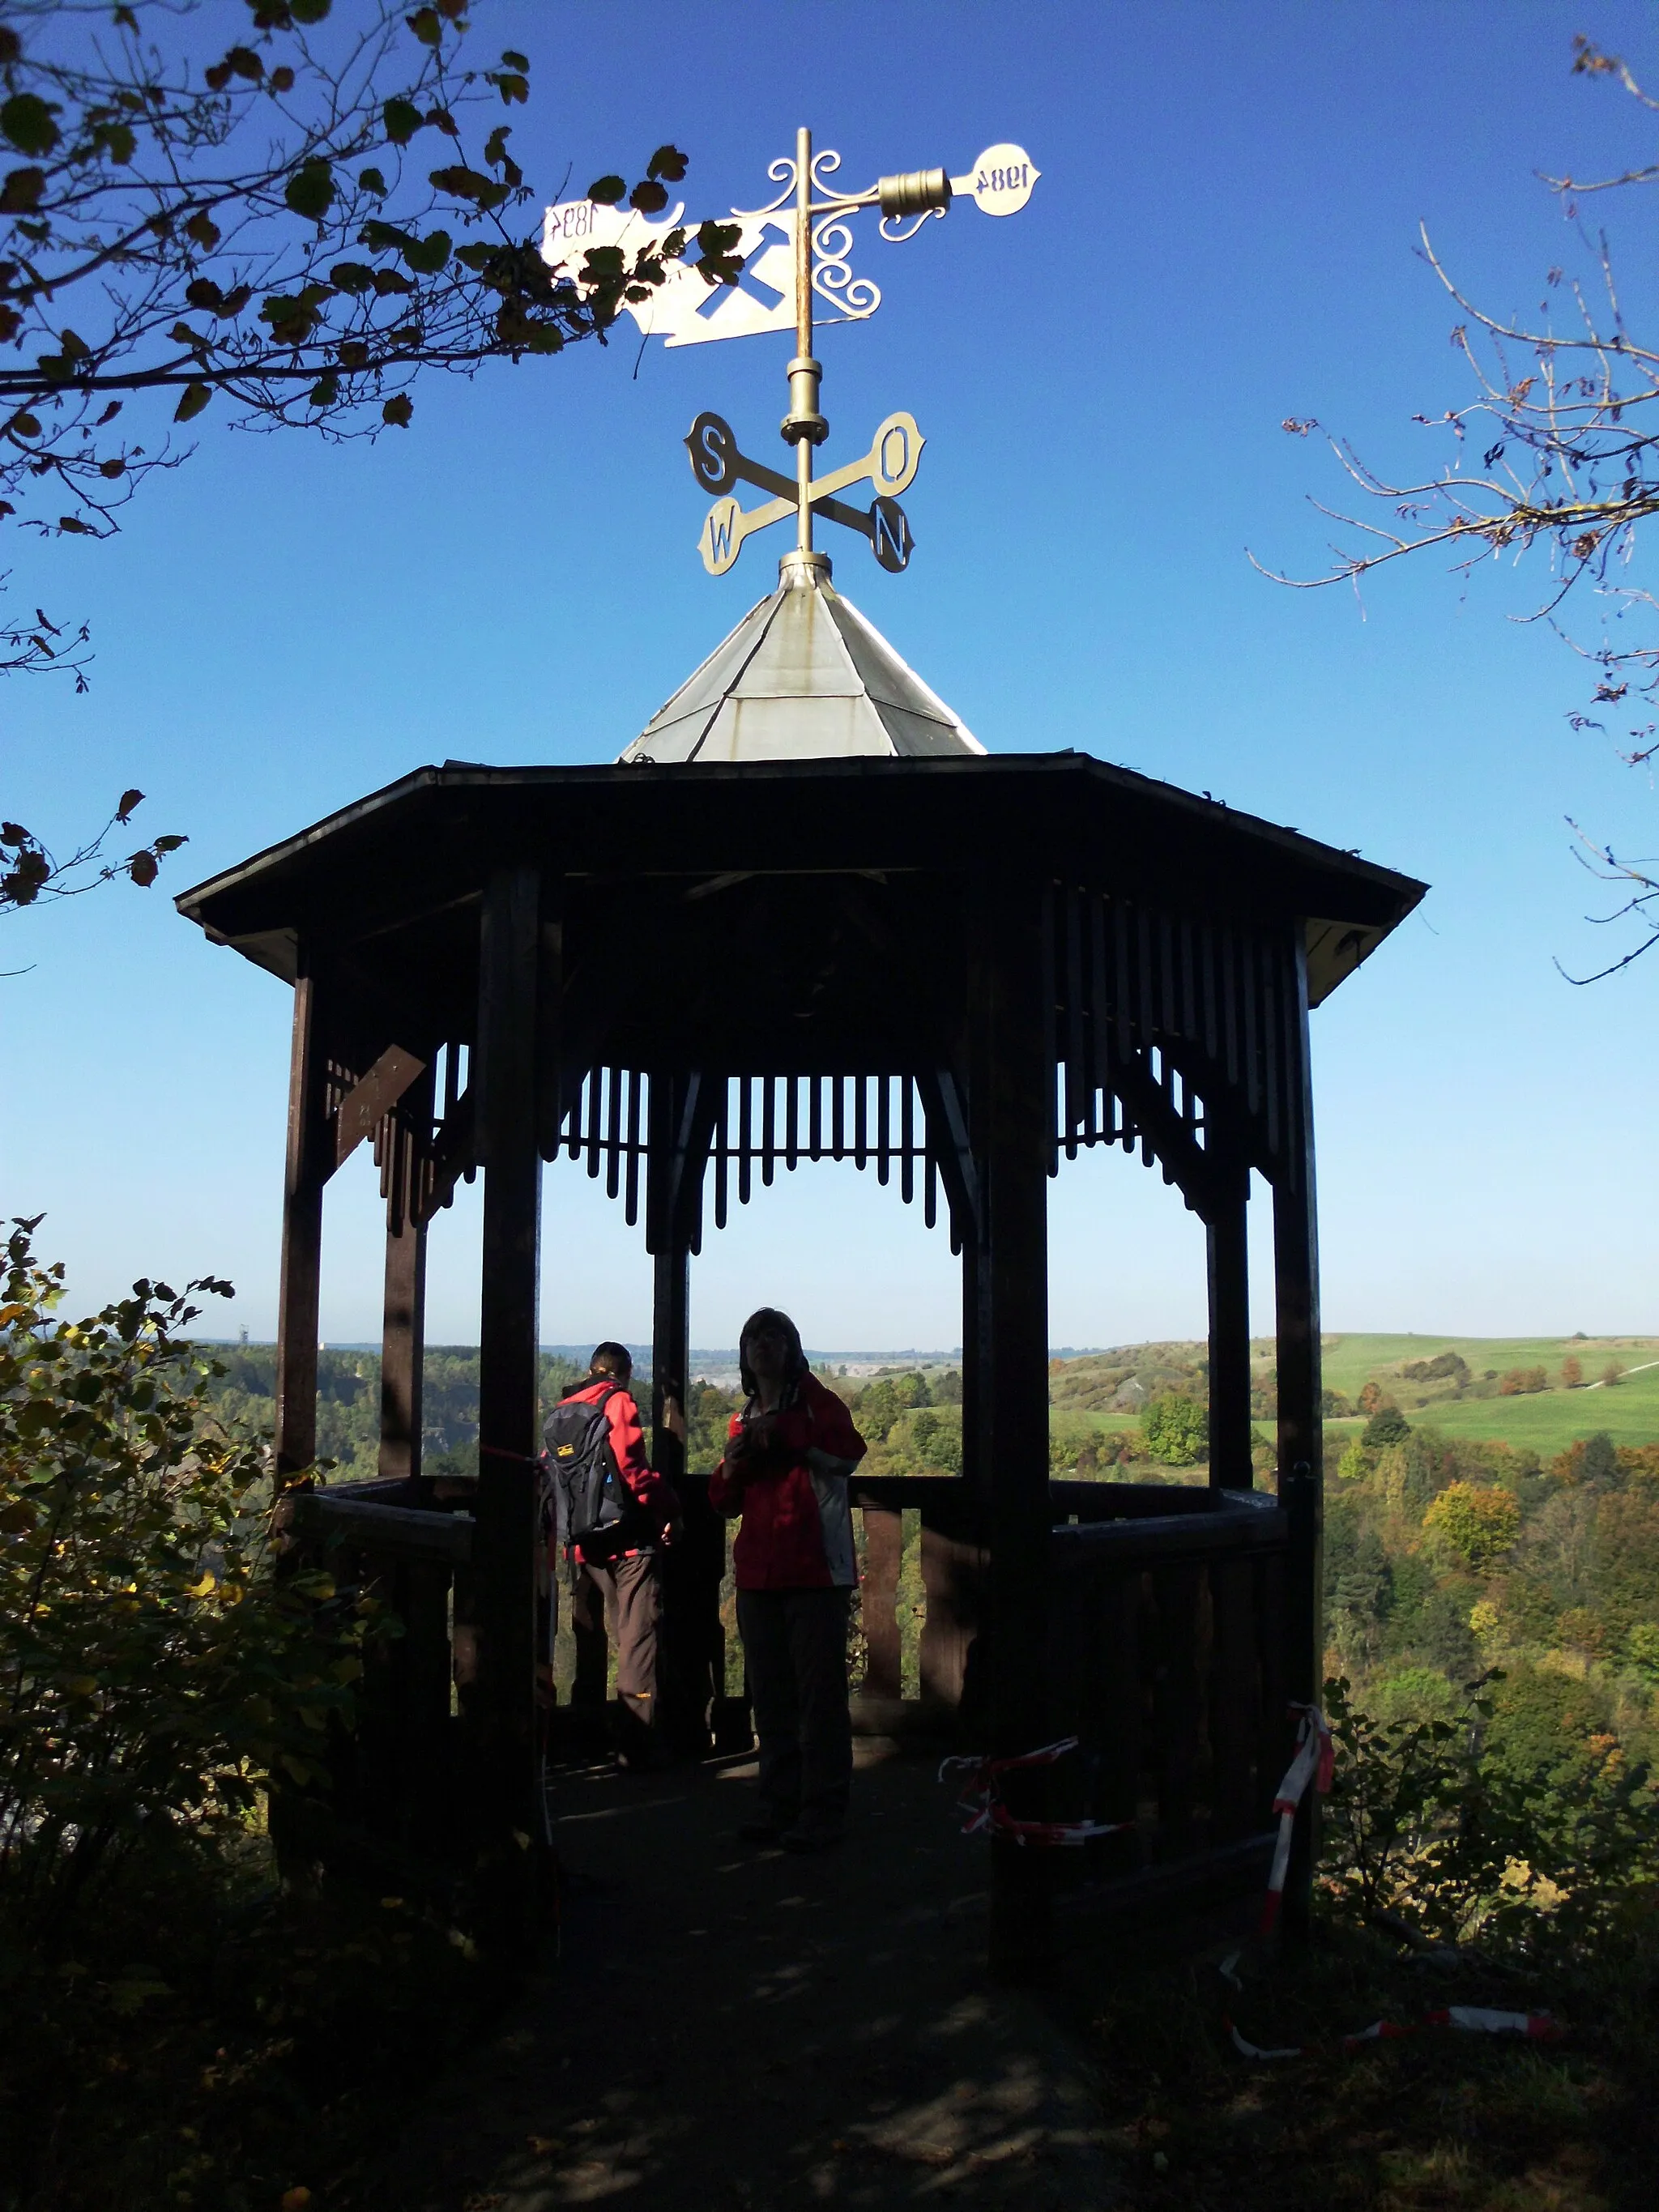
<point>296,226</point>
<point>173,2027</point>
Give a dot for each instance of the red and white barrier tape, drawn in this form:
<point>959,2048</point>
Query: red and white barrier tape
<point>1316,1756</point>
<point>1473,2019</point>
<point>982,1801</point>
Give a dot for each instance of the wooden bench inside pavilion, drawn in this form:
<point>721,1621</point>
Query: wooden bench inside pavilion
<point>864,939</point>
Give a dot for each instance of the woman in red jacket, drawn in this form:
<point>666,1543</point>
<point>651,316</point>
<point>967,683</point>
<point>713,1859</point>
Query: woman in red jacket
<point>787,1457</point>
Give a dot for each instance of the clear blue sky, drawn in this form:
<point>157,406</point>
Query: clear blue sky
<point>1222,236</point>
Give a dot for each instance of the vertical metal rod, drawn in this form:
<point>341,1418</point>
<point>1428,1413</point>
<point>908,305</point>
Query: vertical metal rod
<point>792,1123</point>
<point>745,1137</point>
<point>838,1117</point>
<point>815,1123</point>
<point>769,1127</point>
<point>884,1126</point>
<point>722,1146</point>
<point>907,1140</point>
<point>803,330</point>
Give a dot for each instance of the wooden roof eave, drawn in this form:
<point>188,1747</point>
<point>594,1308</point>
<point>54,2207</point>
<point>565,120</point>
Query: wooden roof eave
<point>371,866</point>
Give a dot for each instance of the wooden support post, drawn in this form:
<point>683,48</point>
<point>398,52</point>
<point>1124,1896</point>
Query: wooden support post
<point>308,1161</point>
<point>691,1653</point>
<point>670,1352</point>
<point>1013,1082</point>
<point>403,1337</point>
<point>511,1825</point>
<point>1230,1346</point>
<point>1301,1429</point>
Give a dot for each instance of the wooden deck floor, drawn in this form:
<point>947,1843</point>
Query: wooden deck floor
<point>734,2030</point>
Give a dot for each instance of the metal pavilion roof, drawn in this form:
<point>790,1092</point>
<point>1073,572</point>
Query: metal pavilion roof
<point>803,677</point>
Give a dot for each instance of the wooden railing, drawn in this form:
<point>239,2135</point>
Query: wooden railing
<point>1166,1658</point>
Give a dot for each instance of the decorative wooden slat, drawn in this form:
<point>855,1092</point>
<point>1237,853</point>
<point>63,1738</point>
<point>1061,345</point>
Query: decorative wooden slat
<point>1121,1700</point>
<point>907,1140</point>
<point>792,1123</point>
<point>815,1116</point>
<point>1234,1702</point>
<point>1076,1070</point>
<point>860,1122</point>
<point>746,1137</point>
<point>883,1543</point>
<point>954,1565</point>
<point>769,1128</point>
<point>884,1128</point>
<point>1179,1703</point>
<point>631,1197</point>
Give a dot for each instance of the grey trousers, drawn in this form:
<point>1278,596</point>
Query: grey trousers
<point>631,1595</point>
<point>795,1644</point>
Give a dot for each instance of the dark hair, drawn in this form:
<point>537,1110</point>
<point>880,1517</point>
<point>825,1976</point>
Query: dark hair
<point>612,1359</point>
<point>770,1317</point>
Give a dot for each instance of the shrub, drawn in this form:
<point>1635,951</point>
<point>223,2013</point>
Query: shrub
<point>1416,1693</point>
<point>154,1670</point>
<point>1572,1373</point>
<point>1462,1841</point>
<point>1354,1466</point>
<point>1174,1430</point>
<point>1521,1381</point>
<point>1476,1522</point>
<point>1387,1425</point>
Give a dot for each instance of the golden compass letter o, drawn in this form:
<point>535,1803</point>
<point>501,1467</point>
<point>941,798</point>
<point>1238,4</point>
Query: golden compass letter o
<point>895,455</point>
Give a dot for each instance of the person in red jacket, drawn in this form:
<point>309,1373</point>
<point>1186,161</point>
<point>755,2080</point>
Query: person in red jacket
<point>787,1457</point>
<point>616,1589</point>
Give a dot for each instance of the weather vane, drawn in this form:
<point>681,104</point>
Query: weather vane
<point>799,249</point>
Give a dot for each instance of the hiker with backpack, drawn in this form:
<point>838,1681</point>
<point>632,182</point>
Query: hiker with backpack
<point>612,1512</point>
<point>788,1455</point>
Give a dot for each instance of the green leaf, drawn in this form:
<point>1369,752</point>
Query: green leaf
<point>310,191</point>
<point>668,162</point>
<point>373,181</point>
<point>325,391</point>
<point>648,198</point>
<point>398,411</point>
<point>605,192</point>
<point>477,257</point>
<point>196,398</point>
<point>425,26</point>
<point>400,120</point>
<point>513,60</point>
<point>463,184</point>
<point>427,255</point>
<point>21,193</point>
<point>309,11</point>
<point>203,230</point>
<point>27,121</point>
<point>25,425</point>
<point>351,276</point>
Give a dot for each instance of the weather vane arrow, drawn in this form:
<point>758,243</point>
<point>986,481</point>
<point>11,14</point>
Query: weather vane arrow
<point>798,249</point>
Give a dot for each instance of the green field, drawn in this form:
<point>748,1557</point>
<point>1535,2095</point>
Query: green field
<point>1460,1405</point>
<point>1547,1420</point>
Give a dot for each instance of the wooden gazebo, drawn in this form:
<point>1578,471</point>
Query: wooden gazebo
<point>806,917</point>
